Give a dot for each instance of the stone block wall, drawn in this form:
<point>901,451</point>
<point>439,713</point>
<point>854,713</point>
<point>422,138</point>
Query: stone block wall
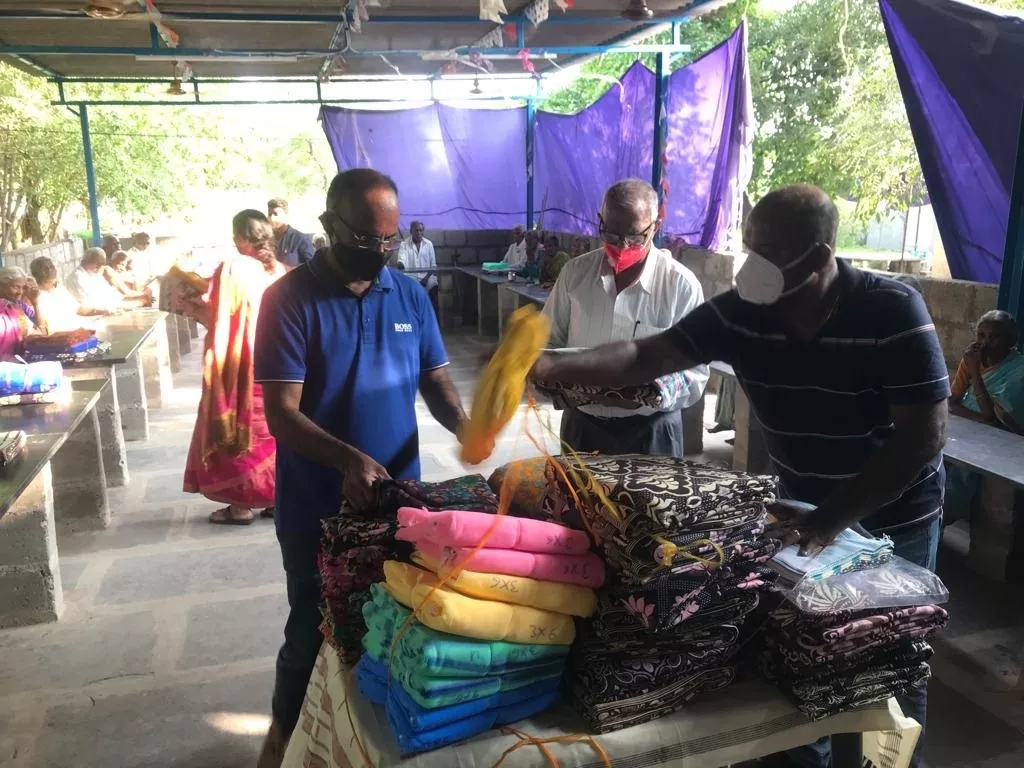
<point>65,255</point>
<point>955,305</point>
<point>713,270</point>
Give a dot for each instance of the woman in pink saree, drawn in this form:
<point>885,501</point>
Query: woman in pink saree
<point>232,456</point>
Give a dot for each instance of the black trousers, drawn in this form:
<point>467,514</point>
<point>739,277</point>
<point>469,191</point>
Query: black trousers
<point>302,637</point>
<point>660,434</point>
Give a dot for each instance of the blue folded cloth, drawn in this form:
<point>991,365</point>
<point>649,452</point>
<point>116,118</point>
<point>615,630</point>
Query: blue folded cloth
<point>417,728</point>
<point>30,379</point>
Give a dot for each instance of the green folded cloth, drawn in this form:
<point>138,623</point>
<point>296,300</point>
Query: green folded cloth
<point>494,266</point>
<point>438,654</point>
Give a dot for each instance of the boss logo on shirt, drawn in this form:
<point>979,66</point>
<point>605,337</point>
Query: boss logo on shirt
<point>403,327</point>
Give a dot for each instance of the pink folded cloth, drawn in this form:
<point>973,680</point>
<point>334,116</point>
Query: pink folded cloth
<point>586,570</point>
<point>458,528</point>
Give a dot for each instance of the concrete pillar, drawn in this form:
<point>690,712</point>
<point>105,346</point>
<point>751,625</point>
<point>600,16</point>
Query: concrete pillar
<point>489,308</point>
<point>108,412</point>
<point>193,328</point>
<point>80,484</point>
<point>749,451</point>
<point>184,333</point>
<point>693,428</point>
<point>131,393</point>
<point>173,346</point>
<point>156,367</point>
<point>30,589</point>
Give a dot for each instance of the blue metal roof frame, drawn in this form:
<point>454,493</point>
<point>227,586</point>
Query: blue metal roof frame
<point>240,39</point>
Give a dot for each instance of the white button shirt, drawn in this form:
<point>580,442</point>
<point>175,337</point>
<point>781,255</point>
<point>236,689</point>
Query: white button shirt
<point>515,256</point>
<point>585,311</point>
<point>423,257</point>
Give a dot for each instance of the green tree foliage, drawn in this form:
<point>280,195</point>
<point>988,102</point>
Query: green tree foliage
<point>827,105</point>
<point>149,161</point>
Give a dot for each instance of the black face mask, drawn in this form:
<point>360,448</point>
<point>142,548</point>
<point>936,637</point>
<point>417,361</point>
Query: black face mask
<point>359,263</point>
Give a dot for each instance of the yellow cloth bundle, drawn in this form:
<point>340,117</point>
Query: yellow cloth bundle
<point>503,382</point>
<point>447,611</point>
<point>570,599</point>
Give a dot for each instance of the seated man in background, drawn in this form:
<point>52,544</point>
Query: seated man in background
<point>56,309</point>
<point>530,268</point>
<point>988,387</point>
<point>119,276</point>
<point>417,253</point>
<point>515,256</point>
<point>293,247</point>
<point>91,289</point>
<point>554,260</point>
<point>844,371</point>
<point>628,290</point>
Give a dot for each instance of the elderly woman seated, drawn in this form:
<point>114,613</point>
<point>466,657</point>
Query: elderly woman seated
<point>988,387</point>
<point>17,291</point>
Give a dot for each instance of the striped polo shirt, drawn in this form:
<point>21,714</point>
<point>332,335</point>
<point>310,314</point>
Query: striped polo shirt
<point>824,406</point>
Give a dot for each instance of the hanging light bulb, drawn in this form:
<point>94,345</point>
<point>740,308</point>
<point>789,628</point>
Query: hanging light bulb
<point>637,10</point>
<point>476,90</point>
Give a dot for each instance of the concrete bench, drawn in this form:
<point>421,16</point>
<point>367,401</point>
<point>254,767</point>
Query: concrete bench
<point>997,525</point>
<point>60,481</point>
<point>138,368</point>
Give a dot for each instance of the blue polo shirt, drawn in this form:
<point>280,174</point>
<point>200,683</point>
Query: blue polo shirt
<point>824,406</point>
<point>294,247</point>
<point>359,361</point>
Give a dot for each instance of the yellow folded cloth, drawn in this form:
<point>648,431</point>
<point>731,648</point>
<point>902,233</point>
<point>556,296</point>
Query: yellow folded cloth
<point>447,611</point>
<point>570,599</point>
<point>500,388</point>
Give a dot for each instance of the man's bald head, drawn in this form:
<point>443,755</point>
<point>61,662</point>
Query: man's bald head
<point>790,220</point>
<point>633,195</point>
<point>352,192</point>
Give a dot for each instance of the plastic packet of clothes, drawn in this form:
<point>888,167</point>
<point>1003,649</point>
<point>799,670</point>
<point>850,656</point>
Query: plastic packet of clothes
<point>895,584</point>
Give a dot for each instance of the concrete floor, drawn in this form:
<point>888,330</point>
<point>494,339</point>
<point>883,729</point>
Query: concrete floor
<point>164,656</point>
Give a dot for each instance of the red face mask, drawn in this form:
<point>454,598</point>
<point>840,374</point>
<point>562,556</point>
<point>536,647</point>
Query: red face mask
<point>622,259</point>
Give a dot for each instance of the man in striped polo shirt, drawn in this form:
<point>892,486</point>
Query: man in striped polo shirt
<point>843,370</point>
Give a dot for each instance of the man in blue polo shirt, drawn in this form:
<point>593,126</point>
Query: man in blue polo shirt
<point>843,370</point>
<point>343,345</point>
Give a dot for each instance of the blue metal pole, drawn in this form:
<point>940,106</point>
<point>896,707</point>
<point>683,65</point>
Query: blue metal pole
<point>90,174</point>
<point>661,74</point>
<point>531,118</point>
<point>1011,283</point>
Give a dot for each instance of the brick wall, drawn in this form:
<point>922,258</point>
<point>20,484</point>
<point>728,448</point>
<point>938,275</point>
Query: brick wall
<point>713,270</point>
<point>65,255</point>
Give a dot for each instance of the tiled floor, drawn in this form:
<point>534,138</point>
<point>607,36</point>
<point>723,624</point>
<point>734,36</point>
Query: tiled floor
<point>164,655</point>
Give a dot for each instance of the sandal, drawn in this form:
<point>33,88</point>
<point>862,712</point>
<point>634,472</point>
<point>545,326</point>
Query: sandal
<point>267,513</point>
<point>223,516</point>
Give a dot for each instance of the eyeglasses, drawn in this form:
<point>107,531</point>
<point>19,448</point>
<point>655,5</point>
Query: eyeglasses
<point>362,241</point>
<point>619,240</point>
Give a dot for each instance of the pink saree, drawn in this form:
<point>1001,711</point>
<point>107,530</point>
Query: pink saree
<point>232,455</point>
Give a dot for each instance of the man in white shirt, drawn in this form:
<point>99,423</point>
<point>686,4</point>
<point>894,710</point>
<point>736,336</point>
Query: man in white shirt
<point>515,256</point>
<point>628,289</point>
<point>88,285</point>
<point>417,253</point>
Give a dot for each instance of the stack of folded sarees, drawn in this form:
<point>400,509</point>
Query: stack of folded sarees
<point>469,636</point>
<point>354,547</point>
<point>847,657</point>
<point>685,546</point>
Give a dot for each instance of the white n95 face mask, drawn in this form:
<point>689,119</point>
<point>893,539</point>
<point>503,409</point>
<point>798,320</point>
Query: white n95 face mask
<point>761,282</point>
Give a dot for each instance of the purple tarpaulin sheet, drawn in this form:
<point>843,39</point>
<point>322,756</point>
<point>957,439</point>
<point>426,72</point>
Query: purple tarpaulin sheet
<point>455,168</point>
<point>462,168</point>
<point>959,69</point>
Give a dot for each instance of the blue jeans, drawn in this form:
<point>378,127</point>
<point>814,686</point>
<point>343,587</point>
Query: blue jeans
<point>302,636</point>
<point>918,543</point>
